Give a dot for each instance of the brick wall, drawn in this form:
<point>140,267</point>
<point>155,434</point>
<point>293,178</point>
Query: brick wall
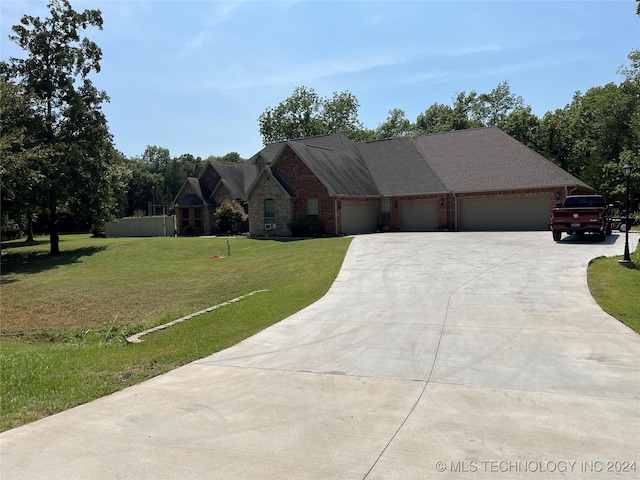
<point>210,177</point>
<point>306,185</point>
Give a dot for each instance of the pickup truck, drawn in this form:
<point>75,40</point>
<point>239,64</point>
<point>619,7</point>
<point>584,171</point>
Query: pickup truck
<point>581,214</point>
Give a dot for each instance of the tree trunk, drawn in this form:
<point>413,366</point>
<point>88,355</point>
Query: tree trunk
<point>29,228</point>
<point>53,227</point>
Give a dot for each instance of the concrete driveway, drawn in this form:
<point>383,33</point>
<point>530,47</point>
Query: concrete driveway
<point>437,355</point>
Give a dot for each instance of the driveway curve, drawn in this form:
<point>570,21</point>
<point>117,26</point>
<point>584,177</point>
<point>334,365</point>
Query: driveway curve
<point>433,355</point>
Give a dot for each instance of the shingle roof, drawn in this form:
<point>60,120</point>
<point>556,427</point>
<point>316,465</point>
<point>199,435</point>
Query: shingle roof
<point>398,168</point>
<point>341,170</point>
<point>486,159</point>
<point>232,177</point>
<point>483,159</point>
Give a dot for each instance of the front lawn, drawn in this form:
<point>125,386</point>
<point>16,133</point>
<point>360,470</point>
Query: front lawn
<point>617,288</point>
<point>65,318</point>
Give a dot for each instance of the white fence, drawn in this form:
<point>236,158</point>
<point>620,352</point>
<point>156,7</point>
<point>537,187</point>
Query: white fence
<point>162,226</point>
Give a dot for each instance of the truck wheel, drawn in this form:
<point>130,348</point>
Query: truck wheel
<point>622,227</point>
<point>557,235</point>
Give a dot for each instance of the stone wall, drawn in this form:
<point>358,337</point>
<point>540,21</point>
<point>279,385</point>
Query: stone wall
<point>265,188</point>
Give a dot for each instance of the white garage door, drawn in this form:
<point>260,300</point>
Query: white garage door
<point>358,218</point>
<point>420,216</point>
<point>505,213</point>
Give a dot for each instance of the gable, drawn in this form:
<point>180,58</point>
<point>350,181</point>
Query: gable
<point>273,180</point>
<point>192,192</point>
<point>342,172</point>
<point>210,177</point>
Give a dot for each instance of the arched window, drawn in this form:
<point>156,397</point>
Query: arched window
<point>269,210</point>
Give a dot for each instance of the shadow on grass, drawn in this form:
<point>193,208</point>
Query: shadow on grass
<point>15,261</point>
<point>285,239</point>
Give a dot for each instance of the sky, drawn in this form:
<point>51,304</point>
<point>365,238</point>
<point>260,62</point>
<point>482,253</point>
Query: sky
<point>194,76</point>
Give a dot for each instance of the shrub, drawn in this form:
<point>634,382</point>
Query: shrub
<point>228,214</point>
<point>13,228</point>
<point>306,227</point>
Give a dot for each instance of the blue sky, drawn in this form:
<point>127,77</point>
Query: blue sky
<point>193,76</point>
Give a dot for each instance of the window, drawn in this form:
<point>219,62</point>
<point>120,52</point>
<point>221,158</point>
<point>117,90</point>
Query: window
<point>385,209</point>
<point>312,207</point>
<point>269,211</point>
<point>185,217</point>
<point>197,215</point>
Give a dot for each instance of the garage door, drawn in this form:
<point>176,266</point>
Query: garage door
<point>420,216</point>
<point>358,218</point>
<point>505,213</point>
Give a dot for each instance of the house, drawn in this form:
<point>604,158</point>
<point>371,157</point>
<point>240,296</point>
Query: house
<point>478,179</point>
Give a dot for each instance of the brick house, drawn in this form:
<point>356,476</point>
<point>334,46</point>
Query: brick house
<point>198,198</point>
<point>478,179</point>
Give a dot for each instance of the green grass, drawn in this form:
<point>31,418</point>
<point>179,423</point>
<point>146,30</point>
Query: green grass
<point>64,319</point>
<point>617,288</point>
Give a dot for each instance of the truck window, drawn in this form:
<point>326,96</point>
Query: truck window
<point>584,202</point>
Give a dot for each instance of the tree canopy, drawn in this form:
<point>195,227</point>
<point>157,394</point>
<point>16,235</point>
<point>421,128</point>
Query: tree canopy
<point>66,145</point>
<point>306,114</point>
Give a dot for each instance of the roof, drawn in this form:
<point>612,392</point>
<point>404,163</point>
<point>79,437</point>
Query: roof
<point>341,170</point>
<point>200,196</point>
<point>475,160</point>
<point>485,159</point>
<point>398,168</point>
<point>232,177</point>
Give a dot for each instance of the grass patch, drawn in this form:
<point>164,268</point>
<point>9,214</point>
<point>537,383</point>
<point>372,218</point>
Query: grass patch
<point>617,288</point>
<point>64,319</point>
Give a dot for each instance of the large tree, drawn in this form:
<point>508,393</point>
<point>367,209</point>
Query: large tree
<point>396,125</point>
<point>71,147</point>
<point>18,181</point>
<point>306,114</point>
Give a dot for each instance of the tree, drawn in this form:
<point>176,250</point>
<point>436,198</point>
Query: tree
<point>523,125</point>
<point>397,125</point>
<point>437,118</point>
<point>494,108</point>
<point>18,181</point>
<point>340,114</point>
<point>614,182</point>
<point>71,141</point>
<point>142,186</point>
<point>157,158</point>
<point>306,114</point>
<point>631,72</point>
<point>228,213</point>
<point>231,157</point>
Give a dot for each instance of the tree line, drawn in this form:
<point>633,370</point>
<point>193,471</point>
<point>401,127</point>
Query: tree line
<point>60,171</point>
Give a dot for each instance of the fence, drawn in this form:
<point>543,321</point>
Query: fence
<point>161,226</point>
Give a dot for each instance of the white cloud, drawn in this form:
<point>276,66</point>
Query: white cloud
<point>222,12</point>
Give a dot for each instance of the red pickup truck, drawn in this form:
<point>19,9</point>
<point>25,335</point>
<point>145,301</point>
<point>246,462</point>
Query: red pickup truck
<point>581,214</point>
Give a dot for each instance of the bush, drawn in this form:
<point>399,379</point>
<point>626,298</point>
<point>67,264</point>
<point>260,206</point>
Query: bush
<point>12,229</point>
<point>635,256</point>
<point>228,214</point>
<point>306,227</point>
